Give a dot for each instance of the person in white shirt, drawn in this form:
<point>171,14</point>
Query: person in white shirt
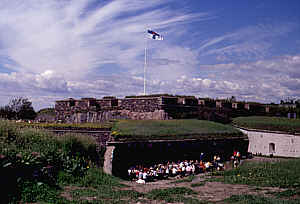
<point>183,171</point>
<point>188,170</point>
<point>167,172</point>
<point>145,175</point>
<point>174,171</point>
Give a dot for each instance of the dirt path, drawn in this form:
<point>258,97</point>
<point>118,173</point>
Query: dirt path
<point>209,191</point>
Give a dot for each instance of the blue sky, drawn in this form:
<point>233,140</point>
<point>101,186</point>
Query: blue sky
<point>56,49</point>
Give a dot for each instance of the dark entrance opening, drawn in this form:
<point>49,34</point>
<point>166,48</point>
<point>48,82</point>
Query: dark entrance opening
<point>127,155</point>
<point>271,148</point>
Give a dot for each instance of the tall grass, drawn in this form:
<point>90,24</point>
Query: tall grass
<point>32,157</point>
<point>104,125</point>
<point>284,174</point>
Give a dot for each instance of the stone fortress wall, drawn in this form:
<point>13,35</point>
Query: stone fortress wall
<point>142,108</point>
<point>98,110</point>
<point>273,143</point>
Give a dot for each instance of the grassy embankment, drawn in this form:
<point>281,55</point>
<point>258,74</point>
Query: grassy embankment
<point>39,167</point>
<point>68,126</point>
<point>171,130</point>
<point>269,123</point>
<point>284,174</point>
<point>36,166</point>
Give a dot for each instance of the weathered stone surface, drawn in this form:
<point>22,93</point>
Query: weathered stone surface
<point>108,158</point>
<point>92,110</point>
<point>145,108</point>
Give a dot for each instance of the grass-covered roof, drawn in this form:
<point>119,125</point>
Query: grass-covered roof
<point>135,130</point>
<point>269,123</point>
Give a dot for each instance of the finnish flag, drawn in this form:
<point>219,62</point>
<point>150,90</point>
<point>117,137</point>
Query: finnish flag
<point>154,35</point>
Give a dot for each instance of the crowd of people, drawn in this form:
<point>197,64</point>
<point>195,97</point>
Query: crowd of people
<point>143,174</point>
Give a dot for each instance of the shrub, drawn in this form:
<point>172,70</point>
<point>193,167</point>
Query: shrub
<point>96,177</point>
<point>29,157</point>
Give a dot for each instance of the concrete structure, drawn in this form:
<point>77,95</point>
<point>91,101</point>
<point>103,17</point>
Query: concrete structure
<point>273,143</point>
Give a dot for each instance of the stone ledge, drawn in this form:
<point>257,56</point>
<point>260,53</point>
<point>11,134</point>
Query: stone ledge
<point>267,131</point>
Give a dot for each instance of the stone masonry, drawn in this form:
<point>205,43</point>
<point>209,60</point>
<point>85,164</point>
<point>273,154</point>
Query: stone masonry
<point>141,108</point>
<point>98,110</point>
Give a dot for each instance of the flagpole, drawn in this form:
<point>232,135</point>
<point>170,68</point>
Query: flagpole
<point>145,65</point>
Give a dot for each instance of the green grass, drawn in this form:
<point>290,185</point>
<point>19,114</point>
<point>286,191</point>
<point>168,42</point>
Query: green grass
<point>101,187</point>
<point>188,179</point>
<point>268,123</point>
<point>287,193</point>
<point>172,195</point>
<point>197,184</point>
<point>104,125</point>
<point>105,193</point>
<point>252,199</point>
<point>171,129</point>
<point>284,174</point>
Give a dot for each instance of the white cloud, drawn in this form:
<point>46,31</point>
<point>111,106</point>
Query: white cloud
<point>252,42</point>
<point>87,48</point>
<point>70,39</point>
<point>250,81</point>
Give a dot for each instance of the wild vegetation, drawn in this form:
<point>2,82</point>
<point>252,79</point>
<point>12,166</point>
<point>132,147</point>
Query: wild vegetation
<point>39,167</point>
<point>268,123</point>
<point>171,129</point>
<point>283,174</point>
<point>32,160</point>
<point>68,126</point>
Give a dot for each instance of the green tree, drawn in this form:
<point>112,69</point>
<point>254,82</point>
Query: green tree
<point>22,108</point>
<point>6,112</point>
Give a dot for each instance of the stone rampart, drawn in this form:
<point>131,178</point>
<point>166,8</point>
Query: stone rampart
<point>100,116</point>
<point>141,104</point>
<point>146,108</point>
<point>92,110</point>
<point>273,143</point>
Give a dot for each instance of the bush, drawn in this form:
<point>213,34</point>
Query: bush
<point>29,157</point>
<point>96,177</point>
